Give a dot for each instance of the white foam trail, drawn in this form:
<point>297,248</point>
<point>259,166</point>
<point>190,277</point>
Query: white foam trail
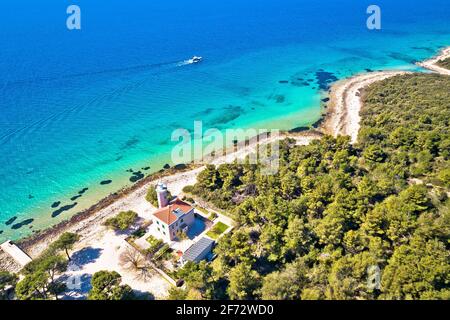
<point>184,63</point>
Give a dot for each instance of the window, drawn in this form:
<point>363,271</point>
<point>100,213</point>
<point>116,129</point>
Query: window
<point>164,233</point>
<point>157,221</point>
<point>159,230</point>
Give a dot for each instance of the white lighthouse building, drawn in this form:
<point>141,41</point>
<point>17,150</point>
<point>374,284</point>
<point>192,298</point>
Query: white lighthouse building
<point>161,191</point>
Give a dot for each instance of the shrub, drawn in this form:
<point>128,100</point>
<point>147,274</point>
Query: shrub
<point>152,196</point>
<point>122,221</point>
<point>212,216</point>
<point>188,189</point>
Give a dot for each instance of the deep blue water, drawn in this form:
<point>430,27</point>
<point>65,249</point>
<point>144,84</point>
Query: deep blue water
<point>81,107</point>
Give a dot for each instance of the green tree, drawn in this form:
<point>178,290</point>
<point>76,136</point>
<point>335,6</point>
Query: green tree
<point>152,196</point>
<point>66,242</point>
<point>419,270</point>
<point>286,284</point>
<point>41,278</point>
<point>106,285</point>
<point>244,282</point>
<point>177,294</point>
<point>444,176</point>
<point>7,280</point>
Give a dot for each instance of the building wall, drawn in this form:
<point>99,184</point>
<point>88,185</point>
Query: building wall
<point>163,230</point>
<point>189,218</point>
<point>169,233</point>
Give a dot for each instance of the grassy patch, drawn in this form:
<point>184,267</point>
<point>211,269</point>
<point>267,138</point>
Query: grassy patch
<point>217,230</point>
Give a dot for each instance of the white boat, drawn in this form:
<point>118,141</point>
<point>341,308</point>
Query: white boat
<point>195,59</point>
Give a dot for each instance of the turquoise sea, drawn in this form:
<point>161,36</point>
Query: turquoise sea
<point>81,107</point>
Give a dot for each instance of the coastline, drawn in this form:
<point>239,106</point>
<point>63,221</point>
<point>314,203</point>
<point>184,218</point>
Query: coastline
<point>345,103</point>
<point>432,65</point>
<point>89,223</point>
<point>342,118</point>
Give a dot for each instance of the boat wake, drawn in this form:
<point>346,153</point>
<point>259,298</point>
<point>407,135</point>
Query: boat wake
<point>132,69</point>
<point>193,60</point>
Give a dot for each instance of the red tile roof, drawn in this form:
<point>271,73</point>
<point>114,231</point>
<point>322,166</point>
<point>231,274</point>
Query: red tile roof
<point>166,214</point>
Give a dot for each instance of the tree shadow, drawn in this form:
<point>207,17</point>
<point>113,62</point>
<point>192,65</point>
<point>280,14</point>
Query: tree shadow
<point>86,256</point>
<point>143,295</point>
<point>78,286</point>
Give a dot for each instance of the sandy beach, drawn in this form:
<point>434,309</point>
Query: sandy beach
<point>345,103</point>
<point>432,63</point>
<point>342,119</point>
<point>345,97</point>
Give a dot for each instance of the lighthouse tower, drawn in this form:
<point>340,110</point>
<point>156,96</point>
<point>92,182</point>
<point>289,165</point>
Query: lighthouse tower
<point>161,192</point>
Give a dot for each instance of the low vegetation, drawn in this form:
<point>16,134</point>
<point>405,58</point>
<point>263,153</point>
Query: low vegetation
<point>152,196</point>
<point>65,243</point>
<point>41,276</point>
<point>217,230</point>
<point>8,282</point>
<point>155,245</point>
<point>444,63</point>
<point>123,221</point>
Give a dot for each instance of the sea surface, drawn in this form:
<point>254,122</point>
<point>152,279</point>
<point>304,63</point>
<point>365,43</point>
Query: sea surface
<point>84,113</point>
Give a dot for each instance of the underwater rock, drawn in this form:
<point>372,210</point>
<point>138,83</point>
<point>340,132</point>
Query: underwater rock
<point>180,166</point>
<point>21,224</point>
<point>137,176</point>
<point>131,143</point>
<point>299,129</point>
<point>229,114</point>
<point>325,99</point>
<point>300,83</point>
<point>317,123</point>
<point>55,204</point>
<point>82,191</point>
<point>325,79</point>
<point>283,81</point>
<point>166,166</point>
<point>105,182</point>
<point>280,98</point>
<point>62,209</point>
<point>75,197</point>
<point>403,57</point>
